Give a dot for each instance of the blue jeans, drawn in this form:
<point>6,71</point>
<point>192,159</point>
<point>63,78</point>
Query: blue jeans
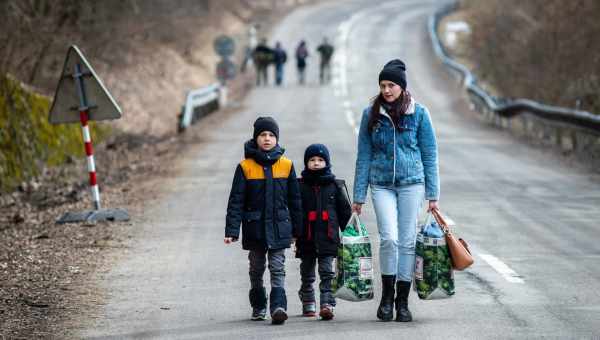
<point>278,74</point>
<point>396,209</point>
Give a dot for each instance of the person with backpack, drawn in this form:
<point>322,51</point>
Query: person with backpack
<point>326,210</point>
<point>301,56</point>
<point>262,57</point>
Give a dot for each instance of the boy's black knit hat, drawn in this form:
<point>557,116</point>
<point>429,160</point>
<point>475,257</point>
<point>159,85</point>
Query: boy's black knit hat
<point>395,71</point>
<point>319,150</point>
<point>265,124</point>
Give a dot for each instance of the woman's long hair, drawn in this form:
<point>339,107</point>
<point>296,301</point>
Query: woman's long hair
<point>397,112</point>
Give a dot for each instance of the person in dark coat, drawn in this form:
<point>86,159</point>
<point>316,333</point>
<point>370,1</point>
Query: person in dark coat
<point>301,56</point>
<point>326,52</point>
<point>326,209</point>
<point>280,57</point>
<point>262,56</point>
<point>265,200</point>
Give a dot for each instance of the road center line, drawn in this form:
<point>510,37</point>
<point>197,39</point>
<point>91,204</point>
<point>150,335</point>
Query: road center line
<point>501,267</point>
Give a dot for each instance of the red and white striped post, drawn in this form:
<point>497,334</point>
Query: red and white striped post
<point>87,138</point>
<point>89,152</point>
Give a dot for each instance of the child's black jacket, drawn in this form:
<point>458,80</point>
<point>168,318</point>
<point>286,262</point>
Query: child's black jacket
<point>265,200</point>
<point>325,210</point>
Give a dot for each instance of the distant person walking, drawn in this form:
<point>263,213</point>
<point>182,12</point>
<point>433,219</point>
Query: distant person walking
<point>262,56</point>
<point>326,52</point>
<point>301,55</point>
<point>280,57</point>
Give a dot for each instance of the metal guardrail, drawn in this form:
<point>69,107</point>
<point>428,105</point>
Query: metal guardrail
<point>201,102</point>
<point>502,106</point>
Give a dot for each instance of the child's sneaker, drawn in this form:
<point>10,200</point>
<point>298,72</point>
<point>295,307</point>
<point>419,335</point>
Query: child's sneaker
<point>279,316</point>
<point>259,314</point>
<point>326,312</point>
<point>309,309</point>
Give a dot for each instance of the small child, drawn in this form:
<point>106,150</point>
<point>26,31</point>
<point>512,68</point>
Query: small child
<point>326,209</point>
<point>265,200</point>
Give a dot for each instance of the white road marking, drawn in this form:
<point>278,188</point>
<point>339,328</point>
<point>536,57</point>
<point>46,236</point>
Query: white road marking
<point>351,121</point>
<point>341,63</point>
<point>501,267</point>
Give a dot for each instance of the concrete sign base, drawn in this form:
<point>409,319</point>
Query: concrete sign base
<point>94,216</point>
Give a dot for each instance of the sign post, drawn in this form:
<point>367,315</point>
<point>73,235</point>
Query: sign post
<point>226,69</point>
<point>80,97</point>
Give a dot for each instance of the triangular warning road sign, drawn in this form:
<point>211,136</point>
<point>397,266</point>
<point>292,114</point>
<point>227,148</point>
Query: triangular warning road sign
<point>67,101</point>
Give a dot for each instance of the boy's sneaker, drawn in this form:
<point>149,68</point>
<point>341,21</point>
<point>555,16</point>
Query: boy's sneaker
<point>259,314</point>
<point>309,309</point>
<point>279,316</point>
<point>326,312</point>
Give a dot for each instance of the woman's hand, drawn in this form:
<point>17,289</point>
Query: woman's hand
<point>433,205</point>
<point>357,208</point>
<point>228,240</point>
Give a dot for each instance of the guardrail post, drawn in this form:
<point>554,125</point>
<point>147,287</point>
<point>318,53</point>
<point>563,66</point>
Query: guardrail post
<point>222,96</point>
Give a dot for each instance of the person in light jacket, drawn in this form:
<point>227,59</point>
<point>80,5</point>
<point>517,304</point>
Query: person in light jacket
<point>398,158</point>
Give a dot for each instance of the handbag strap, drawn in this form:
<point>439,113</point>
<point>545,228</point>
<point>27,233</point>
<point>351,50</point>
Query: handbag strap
<point>440,220</point>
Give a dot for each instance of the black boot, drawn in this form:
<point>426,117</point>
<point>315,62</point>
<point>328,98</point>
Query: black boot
<point>402,312</point>
<point>385,312</point>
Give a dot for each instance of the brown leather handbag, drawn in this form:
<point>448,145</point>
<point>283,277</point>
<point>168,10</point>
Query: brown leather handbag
<point>458,248</point>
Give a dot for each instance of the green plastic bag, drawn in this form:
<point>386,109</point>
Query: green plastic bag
<point>354,268</point>
<point>434,278</point>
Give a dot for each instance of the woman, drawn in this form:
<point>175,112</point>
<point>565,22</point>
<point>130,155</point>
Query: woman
<point>301,55</point>
<point>397,157</point>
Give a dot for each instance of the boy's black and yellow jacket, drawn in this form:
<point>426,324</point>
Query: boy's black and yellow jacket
<point>265,200</point>
<point>326,210</point>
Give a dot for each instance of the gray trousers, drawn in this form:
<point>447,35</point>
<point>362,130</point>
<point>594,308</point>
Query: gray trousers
<point>258,262</point>
<point>326,274</point>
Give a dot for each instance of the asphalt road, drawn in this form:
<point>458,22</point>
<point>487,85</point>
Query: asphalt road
<point>532,221</point>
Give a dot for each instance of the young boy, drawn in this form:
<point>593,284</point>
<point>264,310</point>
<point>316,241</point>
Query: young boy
<point>325,210</point>
<point>265,200</point>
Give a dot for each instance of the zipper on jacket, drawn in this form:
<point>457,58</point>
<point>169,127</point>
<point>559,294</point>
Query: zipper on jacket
<point>394,129</point>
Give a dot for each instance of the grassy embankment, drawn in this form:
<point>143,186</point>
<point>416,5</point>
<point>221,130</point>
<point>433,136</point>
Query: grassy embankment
<point>28,142</point>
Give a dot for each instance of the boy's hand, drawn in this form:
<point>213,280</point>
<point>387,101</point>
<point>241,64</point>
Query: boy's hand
<point>228,240</point>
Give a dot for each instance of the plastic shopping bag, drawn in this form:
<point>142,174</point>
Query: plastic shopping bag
<point>434,278</point>
<point>354,269</point>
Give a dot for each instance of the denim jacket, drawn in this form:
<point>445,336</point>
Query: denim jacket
<point>389,157</point>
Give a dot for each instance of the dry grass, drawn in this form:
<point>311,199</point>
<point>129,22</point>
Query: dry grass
<point>545,50</point>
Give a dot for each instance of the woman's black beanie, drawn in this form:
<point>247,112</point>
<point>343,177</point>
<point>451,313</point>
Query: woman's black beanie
<point>265,124</point>
<point>394,71</point>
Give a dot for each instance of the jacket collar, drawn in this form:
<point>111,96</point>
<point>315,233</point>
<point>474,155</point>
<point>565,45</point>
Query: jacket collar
<point>411,108</point>
<point>251,150</point>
